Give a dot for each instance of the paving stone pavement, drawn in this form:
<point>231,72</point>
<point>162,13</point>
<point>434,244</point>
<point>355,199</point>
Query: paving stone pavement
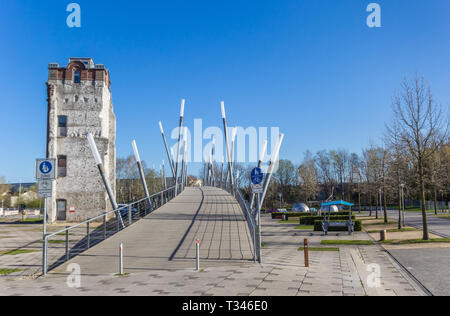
<point>23,237</point>
<point>282,272</point>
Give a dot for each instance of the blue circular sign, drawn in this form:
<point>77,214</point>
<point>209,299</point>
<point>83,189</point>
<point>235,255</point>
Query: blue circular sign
<point>257,176</point>
<point>45,167</point>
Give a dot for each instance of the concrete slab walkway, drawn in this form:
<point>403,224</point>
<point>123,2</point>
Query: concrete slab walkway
<point>166,238</point>
<point>166,267</point>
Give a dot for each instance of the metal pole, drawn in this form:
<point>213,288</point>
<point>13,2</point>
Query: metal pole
<point>233,139</point>
<point>221,175</point>
<point>381,207</point>
<point>164,175</point>
<point>44,226</point>
<point>44,256</point>
<point>88,236</point>
<point>178,145</point>
<point>67,243</point>
<point>403,205</point>
<point>130,216</point>
<point>224,118</point>
<point>273,161</point>
<point>141,172</point>
<point>172,167</point>
<point>259,231</point>
<point>198,255</point>
<point>213,151</point>
<point>260,162</point>
<point>98,160</point>
<point>183,164</point>
<point>121,259</point>
<point>211,163</point>
<point>104,226</point>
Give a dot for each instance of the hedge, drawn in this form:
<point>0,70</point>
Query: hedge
<point>289,214</point>
<point>311,219</point>
<point>318,226</point>
<point>298,214</point>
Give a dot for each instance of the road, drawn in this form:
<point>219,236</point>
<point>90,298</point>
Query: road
<point>428,264</point>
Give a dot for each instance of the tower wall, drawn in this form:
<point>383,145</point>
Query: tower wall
<point>81,93</point>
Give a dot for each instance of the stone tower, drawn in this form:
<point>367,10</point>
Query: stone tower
<point>79,102</point>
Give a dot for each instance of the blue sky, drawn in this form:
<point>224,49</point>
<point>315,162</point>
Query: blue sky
<point>312,67</point>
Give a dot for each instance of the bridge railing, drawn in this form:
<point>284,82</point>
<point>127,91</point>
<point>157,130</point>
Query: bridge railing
<point>67,243</point>
<point>251,219</point>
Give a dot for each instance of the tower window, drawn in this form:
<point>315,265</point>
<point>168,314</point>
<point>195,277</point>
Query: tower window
<point>62,166</point>
<point>62,126</point>
<point>77,76</point>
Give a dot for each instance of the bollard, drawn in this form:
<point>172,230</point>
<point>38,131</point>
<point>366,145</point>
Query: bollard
<point>383,235</point>
<point>130,219</point>
<point>121,259</point>
<point>198,255</point>
<point>306,251</point>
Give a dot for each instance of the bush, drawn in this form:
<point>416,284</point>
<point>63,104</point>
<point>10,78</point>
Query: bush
<point>311,219</point>
<point>314,214</point>
<point>289,214</point>
<point>318,226</point>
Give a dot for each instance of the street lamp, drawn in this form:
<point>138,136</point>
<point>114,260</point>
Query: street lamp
<point>381,205</point>
<point>403,204</point>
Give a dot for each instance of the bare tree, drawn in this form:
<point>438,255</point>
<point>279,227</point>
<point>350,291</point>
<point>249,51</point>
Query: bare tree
<point>324,169</point>
<point>308,178</point>
<point>423,126</point>
<point>340,160</point>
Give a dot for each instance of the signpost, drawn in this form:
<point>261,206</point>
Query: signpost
<point>45,169</point>
<point>45,188</point>
<point>257,177</point>
<point>45,174</point>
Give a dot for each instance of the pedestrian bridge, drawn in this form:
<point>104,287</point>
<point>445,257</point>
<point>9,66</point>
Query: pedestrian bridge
<point>166,238</point>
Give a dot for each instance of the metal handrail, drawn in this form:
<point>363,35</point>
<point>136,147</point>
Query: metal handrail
<point>162,197</point>
<point>251,221</point>
<point>107,213</point>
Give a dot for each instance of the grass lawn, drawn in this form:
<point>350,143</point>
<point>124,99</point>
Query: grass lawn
<point>319,249</point>
<point>380,223</point>
<point>305,227</point>
<point>16,252</point>
<point>8,271</point>
<point>31,220</point>
<point>394,230</point>
<point>416,241</point>
<point>347,242</point>
<point>25,221</point>
<point>56,241</point>
<point>291,221</point>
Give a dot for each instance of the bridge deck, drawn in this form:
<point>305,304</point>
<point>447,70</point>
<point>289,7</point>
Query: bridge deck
<point>166,238</point>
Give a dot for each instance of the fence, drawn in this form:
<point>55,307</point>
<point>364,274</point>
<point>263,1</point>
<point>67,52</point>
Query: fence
<point>251,218</point>
<point>65,244</point>
<point>442,206</point>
